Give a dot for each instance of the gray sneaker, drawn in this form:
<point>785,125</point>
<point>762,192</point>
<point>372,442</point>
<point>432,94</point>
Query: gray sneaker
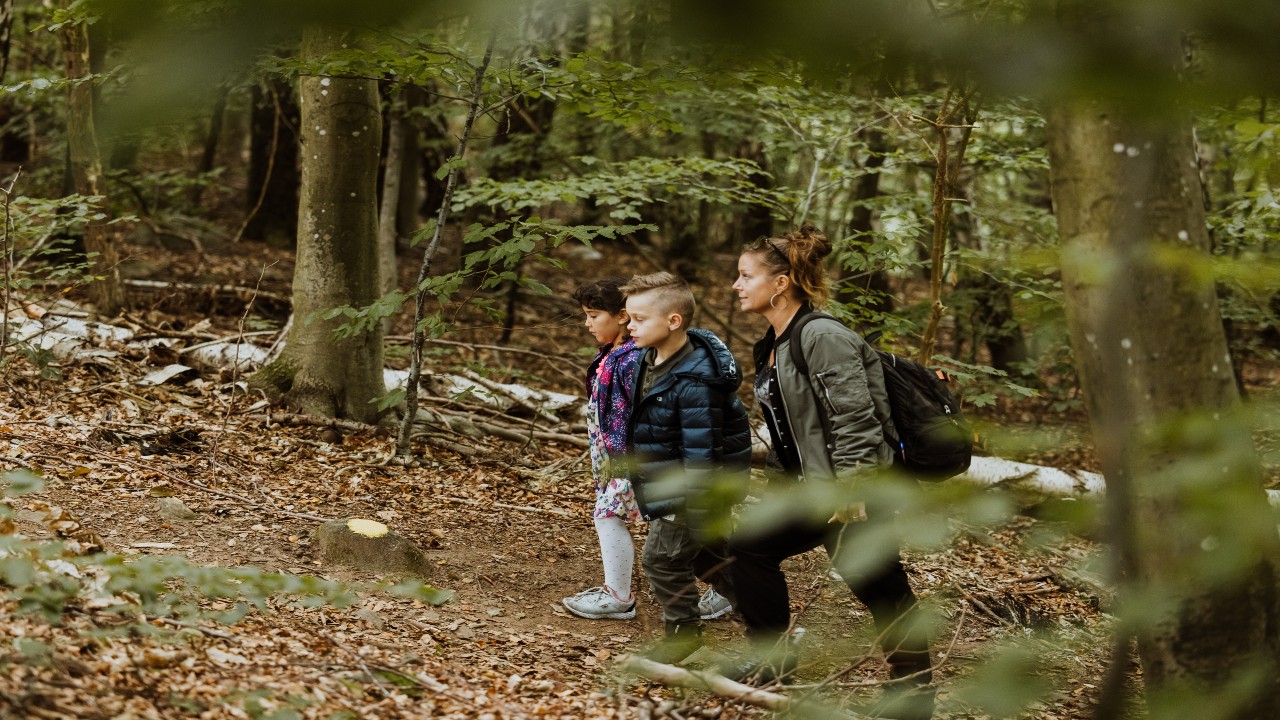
<point>599,604</point>
<point>713,605</point>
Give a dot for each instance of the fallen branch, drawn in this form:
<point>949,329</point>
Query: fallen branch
<point>316,421</point>
<point>441,443</point>
<point>563,359</point>
<point>237,338</point>
<point>192,626</point>
<point>237,291</point>
<point>524,435</point>
<point>525,402</point>
<point>721,686</point>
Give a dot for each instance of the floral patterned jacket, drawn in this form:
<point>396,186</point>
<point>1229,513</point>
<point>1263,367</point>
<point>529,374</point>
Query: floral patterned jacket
<point>611,377</point>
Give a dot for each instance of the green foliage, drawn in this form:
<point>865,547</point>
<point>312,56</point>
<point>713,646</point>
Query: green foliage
<point>624,188</point>
<point>505,245</point>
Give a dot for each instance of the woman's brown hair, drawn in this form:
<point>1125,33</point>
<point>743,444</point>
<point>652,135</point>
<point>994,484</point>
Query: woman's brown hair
<point>799,255</point>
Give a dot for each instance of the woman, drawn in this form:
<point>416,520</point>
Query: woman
<point>826,426</point>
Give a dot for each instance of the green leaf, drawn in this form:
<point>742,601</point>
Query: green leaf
<point>391,399</point>
<point>17,571</point>
<point>448,167</point>
<point>21,482</point>
<point>418,590</point>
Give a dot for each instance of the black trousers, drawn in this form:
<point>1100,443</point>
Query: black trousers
<point>764,602</point>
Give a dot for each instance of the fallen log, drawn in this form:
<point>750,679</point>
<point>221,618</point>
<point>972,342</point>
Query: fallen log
<point>994,472</point>
<point>721,686</point>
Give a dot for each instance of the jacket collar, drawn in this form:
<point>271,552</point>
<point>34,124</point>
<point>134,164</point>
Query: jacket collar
<point>760,353</point>
<point>711,362</point>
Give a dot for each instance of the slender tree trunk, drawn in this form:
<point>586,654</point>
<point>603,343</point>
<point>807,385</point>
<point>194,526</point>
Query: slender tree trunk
<point>6,35</point>
<point>337,259</point>
<point>873,293</point>
<point>948,159</point>
<point>14,148</point>
<point>991,320</point>
<point>1187,517</point>
<point>420,297</point>
<point>754,221</point>
<point>393,172</point>
<point>209,155</point>
<point>409,211</point>
<point>272,197</point>
<point>85,164</point>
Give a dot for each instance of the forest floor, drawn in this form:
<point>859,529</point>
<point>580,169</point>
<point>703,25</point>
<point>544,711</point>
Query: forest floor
<point>508,531</point>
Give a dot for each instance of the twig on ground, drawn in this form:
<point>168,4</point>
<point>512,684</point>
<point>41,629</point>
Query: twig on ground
<point>315,421</point>
<point>505,506</point>
<point>192,626</point>
<point>986,610</point>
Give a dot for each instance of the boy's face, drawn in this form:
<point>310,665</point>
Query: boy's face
<point>650,324</point>
<point>603,325</point>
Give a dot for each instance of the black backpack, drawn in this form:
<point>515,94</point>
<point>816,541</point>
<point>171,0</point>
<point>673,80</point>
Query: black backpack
<point>933,441</point>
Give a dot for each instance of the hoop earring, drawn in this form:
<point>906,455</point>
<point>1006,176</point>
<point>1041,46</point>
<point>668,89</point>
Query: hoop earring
<point>775,297</point>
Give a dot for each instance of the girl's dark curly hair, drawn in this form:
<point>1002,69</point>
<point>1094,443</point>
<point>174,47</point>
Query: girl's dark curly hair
<point>603,295</point>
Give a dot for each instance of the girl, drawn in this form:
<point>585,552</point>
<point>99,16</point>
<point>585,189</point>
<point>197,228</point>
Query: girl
<point>610,396</point>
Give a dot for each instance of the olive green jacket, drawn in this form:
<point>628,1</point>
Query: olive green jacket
<point>839,413</point>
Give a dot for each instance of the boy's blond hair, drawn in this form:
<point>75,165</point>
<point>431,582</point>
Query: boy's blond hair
<point>673,295</point>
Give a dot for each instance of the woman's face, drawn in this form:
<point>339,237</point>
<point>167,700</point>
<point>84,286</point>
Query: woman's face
<point>756,285</point>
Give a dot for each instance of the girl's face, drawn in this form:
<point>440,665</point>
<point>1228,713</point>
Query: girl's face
<point>607,328</point>
<point>755,285</point>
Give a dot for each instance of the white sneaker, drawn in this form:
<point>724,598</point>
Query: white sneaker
<point>599,604</point>
<point>713,605</point>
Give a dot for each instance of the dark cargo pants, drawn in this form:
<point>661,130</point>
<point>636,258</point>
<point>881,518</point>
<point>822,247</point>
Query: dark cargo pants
<point>673,562</point>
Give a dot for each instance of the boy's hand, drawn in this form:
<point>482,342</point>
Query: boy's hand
<point>856,512</point>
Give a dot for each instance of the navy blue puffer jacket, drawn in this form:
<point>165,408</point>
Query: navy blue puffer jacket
<point>690,437</point>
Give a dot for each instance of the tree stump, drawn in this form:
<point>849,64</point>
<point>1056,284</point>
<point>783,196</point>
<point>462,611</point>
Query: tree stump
<point>370,545</point>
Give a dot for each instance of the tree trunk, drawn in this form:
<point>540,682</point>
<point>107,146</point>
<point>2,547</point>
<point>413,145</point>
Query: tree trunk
<point>753,221</point>
<point>209,155</point>
<point>272,198</point>
<point>948,161</point>
<point>874,293</point>
<point>1186,513</point>
<point>408,212</point>
<point>337,259</point>
<point>85,165</point>
<point>393,173</point>
<point>6,35</point>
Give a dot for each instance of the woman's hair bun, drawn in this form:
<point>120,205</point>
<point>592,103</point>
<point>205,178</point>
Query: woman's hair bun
<point>810,241</point>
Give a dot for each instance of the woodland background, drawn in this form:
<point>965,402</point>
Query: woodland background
<point>1069,205</point>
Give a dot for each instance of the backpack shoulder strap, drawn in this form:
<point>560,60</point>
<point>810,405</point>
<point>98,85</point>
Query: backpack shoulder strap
<point>797,351</point>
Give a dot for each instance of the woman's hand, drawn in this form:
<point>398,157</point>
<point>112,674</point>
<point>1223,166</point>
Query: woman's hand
<point>856,512</point>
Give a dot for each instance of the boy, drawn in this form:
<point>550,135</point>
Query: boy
<point>689,440</point>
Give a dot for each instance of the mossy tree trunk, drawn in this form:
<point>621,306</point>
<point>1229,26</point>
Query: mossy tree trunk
<point>1187,517</point>
<point>337,256</point>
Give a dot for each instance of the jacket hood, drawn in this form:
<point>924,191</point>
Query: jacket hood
<point>710,361</point>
